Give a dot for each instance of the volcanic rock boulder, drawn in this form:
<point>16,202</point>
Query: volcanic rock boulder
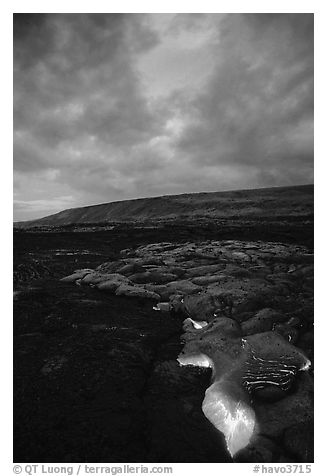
<point>78,274</point>
<point>298,441</point>
<point>205,280</point>
<point>154,277</point>
<point>95,278</point>
<point>130,269</point>
<point>262,321</point>
<point>272,346</point>
<point>204,270</point>
<point>200,306</point>
<point>295,409</point>
<point>136,291</point>
<point>183,287</point>
<point>112,282</point>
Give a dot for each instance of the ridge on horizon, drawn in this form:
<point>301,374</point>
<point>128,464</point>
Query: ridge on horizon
<point>183,194</point>
<point>115,211</point>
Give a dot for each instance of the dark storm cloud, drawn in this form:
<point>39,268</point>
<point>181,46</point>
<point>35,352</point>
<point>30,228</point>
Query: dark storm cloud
<point>74,81</point>
<point>114,106</point>
<point>257,109</point>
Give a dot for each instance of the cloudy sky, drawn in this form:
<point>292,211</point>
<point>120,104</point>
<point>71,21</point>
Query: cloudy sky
<point>116,106</point>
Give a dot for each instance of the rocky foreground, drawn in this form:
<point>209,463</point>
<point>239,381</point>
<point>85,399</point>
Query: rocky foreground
<point>247,309</point>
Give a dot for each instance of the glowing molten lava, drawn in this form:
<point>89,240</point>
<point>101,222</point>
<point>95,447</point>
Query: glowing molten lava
<point>196,324</point>
<point>225,406</point>
<point>196,360</point>
<point>230,415</point>
<point>240,368</point>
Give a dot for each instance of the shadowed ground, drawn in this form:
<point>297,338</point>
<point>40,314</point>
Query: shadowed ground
<point>96,376</point>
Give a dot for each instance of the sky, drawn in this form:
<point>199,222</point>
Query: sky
<point>110,107</point>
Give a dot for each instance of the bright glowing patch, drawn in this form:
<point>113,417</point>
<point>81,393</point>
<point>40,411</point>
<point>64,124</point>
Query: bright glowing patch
<point>199,324</point>
<point>162,306</point>
<point>196,324</point>
<point>197,360</point>
<point>233,417</point>
<point>306,366</point>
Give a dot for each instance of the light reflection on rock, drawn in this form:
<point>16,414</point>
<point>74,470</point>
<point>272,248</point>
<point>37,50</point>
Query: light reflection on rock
<point>196,324</point>
<point>196,360</point>
<point>232,416</point>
